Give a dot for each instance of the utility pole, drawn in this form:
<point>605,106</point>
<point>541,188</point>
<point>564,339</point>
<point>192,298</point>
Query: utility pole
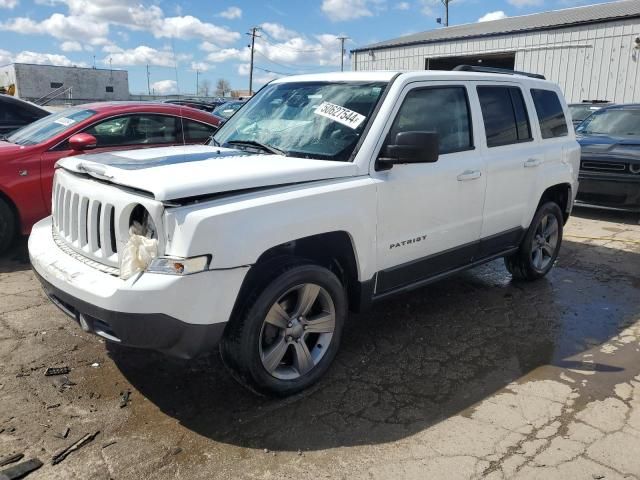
<point>197,83</point>
<point>253,36</point>
<point>148,80</point>
<point>446,11</point>
<point>342,39</point>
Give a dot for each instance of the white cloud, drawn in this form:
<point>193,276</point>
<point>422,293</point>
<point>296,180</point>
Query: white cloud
<point>142,55</point>
<point>8,4</point>
<point>192,27</point>
<point>525,3</point>
<point>277,31</point>
<point>231,13</point>
<point>59,26</point>
<point>497,15</point>
<point>342,10</point>
<point>165,87</point>
<point>297,49</point>
<point>70,46</point>
<point>46,59</point>
<point>5,57</point>
<point>92,19</point>
<point>200,66</point>
<point>402,6</point>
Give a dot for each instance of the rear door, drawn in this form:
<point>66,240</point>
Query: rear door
<point>430,214</point>
<point>512,153</point>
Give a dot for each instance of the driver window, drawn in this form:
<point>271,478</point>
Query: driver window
<point>135,130</point>
<point>444,110</point>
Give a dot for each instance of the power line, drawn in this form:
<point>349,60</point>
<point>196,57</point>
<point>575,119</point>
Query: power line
<point>292,67</point>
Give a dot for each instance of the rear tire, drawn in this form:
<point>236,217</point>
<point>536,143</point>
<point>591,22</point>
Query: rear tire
<point>540,247</point>
<point>7,226</point>
<point>286,336</point>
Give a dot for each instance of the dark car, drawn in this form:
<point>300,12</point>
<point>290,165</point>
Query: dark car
<point>198,104</point>
<point>581,111</point>
<point>610,163</point>
<point>16,113</point>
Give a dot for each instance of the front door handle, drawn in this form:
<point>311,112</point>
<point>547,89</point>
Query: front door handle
<point>469,175</point>
<point>532,162</point>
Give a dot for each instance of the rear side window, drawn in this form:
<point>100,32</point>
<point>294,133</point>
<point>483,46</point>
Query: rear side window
<point>444,110</point>
<point>505,115</point>
<point>549,109</point>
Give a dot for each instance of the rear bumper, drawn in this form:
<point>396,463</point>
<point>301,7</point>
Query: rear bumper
<point>609,190</point>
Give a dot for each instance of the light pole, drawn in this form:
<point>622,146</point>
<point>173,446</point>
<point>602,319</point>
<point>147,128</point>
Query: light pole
<point>342,39</point>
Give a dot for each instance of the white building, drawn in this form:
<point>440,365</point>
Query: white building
<point>592,52</point>
<point>65,85</point>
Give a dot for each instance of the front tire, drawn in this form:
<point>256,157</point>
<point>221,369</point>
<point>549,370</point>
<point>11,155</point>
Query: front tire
<point>288,334</point>
<point>540,247</point>
<point>7,226</point>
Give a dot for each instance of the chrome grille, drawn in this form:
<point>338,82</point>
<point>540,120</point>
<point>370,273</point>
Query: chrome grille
<point>604,166</point>
<point>92,218</point>
<point>85,224</point>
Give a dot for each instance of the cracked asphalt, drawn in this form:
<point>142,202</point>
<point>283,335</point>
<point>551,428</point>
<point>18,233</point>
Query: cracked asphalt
<point>472,377</point>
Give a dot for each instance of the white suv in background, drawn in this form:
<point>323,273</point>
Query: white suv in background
<point>324,193</point>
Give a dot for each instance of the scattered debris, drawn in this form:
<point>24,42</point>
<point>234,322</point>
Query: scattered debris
<point>175,450</point>
<point>55,405</point>
<point>62,383</point>
<point>62,435</point>
<point>64,453</point>
<point>266,450</point>
<point>22,374</point>
<point>21,470</point>
<point>596,476</point>
<point>11,459</point>
<point>125,398</point>
<point>95,365</point>
<point>51,371</point>
<point>108,444</point>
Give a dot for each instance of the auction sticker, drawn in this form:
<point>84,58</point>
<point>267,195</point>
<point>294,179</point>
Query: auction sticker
<point>340,114</point>
<point>64,121</point>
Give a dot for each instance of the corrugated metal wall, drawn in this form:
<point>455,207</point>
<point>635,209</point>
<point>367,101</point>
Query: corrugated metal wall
<point>596,61</point>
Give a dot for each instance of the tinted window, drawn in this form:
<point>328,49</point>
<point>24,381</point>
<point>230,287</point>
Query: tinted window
<point>505,115</point>
<point>550,114</point>
<point>50,126</point>
<point>135,130</point>
<point>444,110</point>
<point>196,132</point>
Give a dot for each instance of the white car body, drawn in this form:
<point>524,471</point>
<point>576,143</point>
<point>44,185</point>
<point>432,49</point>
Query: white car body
<point>233,206</point>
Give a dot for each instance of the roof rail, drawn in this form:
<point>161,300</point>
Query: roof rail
<point>504,71</point>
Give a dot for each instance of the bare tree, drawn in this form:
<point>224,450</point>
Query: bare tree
<point>222,87</point>
<point>204,88</point>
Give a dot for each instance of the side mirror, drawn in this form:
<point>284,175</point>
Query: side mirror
<point>410,147</point>
<point>82,141</point>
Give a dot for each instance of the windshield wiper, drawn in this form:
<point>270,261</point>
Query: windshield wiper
<point>262,146</point>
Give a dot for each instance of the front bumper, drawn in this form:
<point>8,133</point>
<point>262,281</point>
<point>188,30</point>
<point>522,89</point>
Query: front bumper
<point>609,190</point>
<point>181,316</point>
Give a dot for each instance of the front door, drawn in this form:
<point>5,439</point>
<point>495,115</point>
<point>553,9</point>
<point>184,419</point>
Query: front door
<point>430,214</point>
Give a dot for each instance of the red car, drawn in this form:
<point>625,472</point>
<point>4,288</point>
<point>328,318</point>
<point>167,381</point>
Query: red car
<point>28,156</point>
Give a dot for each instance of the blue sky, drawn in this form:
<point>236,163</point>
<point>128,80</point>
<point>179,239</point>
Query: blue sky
<point>210,36</point>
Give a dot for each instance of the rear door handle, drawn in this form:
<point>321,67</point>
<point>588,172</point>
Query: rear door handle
<point>532,162</point>
<point>469,175</point>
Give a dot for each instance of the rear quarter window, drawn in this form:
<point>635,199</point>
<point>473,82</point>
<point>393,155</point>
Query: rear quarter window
<point>553,123</point>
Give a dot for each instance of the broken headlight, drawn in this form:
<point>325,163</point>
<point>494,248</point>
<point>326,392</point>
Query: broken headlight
<point>179,266</point>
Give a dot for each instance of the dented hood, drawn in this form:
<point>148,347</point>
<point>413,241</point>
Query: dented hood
<point>172,173</point>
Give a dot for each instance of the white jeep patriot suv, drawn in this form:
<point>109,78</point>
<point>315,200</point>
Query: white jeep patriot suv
<point>324,193</point>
